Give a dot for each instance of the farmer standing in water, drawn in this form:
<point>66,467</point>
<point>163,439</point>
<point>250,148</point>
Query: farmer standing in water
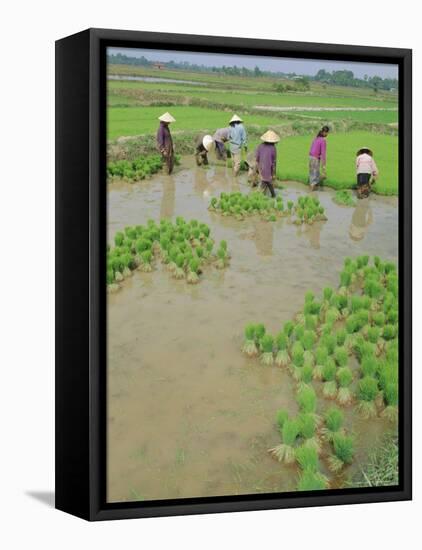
<point>266,161</point>
<point>318,158</point>
<point>238,141</point>
<point>366,172</point>
<point>165,141</point>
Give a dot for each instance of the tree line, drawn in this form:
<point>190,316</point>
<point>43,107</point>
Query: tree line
<point>337,78</point>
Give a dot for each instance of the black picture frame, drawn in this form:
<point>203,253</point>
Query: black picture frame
<point>80,273</point>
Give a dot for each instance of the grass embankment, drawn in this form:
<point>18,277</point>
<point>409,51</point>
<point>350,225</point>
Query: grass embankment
<point>143,120</point>
<point>381,470</point>
<point>293,158</point>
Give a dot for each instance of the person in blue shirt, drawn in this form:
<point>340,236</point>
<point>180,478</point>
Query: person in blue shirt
<point>238,140</point>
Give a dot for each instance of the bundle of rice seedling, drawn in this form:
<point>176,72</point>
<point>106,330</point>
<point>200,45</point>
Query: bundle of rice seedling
<point>299,331</point>
<point>327,294</point>
<point>343,452</point>
<point>344,379</point>
<point>179,272</point>
<point>373,334</point>
<point>281,342</point>
<point>297,354</point>
<point>389,332</point>
<point>368,365</point>
<point>281,416</point>
<point>332,315</point>
<point>333,423</point>
<point>288,328</point>
<point>328,341</point>
<point>266,345</point>
<point>308,358</point>
<point>321,356</point>
<point>308,339</point>
<point>329,369</point>
<point>341,335</point>
<point>367,393</point>
<point>303,375</point>
<point>311,322</point>
<point>285,452</point>
<point>307,400</point>
<point>311,481</point>
<point>391,398</point>
<point>118,238</point>
<point>308,427</point>
<point>341,356</point>
<point>249,345</point>
<point>307,458</point>
<point>193,277</point>
<point>146,258</point>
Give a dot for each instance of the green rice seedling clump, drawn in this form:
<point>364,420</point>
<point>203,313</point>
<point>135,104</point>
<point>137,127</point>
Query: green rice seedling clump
<point>333,422</point>
<point>267,345</point>
<point>183,247</point>
<point>285,452</point>
<point>249,345</point>
<point>343,448</point>
<point>367,393</point>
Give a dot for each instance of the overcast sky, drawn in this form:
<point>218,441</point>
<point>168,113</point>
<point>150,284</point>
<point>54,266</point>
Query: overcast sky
<point>275,64</point>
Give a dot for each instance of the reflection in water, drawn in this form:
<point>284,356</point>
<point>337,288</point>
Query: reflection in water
<point>313,234</point>
<point>361,220</point>
<point>264,237</point>
<point>168,199</point>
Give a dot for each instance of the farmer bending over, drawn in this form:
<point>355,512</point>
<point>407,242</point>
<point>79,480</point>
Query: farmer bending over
<point>238,141</point>
<point>165,142</point>
<point>318,158</point>
<point>366,172</point>
<point>221,137</point>
<point>203,145</point>
<point>266,160</point>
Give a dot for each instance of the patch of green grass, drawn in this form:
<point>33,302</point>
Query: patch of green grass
<point>261,96</point>
<point>344,197</point>
<point>381,469</point>
<point>293,159</point>
<point>132,121</point>
<point>379,117</point>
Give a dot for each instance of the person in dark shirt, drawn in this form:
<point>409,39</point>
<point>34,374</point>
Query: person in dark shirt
<point>266,160</point>
<point>165,141</point>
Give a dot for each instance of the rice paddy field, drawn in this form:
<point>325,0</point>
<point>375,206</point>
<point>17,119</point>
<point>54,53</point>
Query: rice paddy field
<point>252,343</point>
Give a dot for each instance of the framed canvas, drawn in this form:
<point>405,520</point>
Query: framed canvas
<point>233,274</point>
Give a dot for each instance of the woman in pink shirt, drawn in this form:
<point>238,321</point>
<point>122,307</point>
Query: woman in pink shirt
<point>366,172</point>
<point>318,158</point>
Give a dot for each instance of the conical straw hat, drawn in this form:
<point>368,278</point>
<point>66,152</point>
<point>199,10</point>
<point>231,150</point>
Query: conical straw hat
<point>235,118</point>
<point>364,149</point>
<point>207,142</point>
<point>166,117</point>
<point>270,137</point>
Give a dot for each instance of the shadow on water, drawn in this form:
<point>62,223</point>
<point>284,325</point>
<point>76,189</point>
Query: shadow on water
<point>188,414</point>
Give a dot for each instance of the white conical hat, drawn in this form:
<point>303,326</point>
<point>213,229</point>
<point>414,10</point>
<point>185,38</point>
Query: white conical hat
<point>270,137</point>
<point>235,118</point>
<point>166,117</point>
<point>208,142</point>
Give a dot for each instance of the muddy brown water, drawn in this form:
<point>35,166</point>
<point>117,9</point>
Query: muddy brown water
<point>188,414</point>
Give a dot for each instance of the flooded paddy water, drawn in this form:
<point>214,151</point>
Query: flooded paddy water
<point>188,414</point>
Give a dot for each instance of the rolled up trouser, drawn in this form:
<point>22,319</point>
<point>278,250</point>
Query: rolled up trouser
<point>268,185</point>
<point>237,157</point>
<point>168,159</point>
<point>201,157</point>
<point>220,150</point>
<point>363,185</point>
